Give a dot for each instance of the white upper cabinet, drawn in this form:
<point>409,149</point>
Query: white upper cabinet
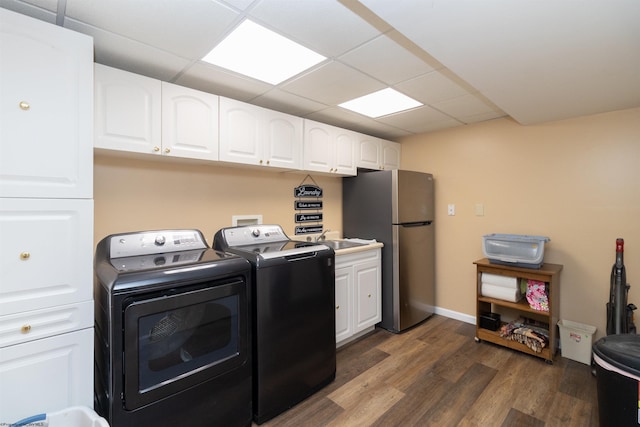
<point>46,110</point>
<point>378,154</point>
<point>257,136</point>
<point>329,149</point>
<point>127,111</point>
<point>189,123</point>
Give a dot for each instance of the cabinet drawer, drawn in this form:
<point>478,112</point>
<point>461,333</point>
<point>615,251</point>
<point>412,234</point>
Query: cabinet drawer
<point>362,256</point>
<point>46,375</point>
<point>46,253</point>
<point>32,325</point>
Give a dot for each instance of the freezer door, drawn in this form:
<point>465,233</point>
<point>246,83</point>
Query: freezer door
<point>414,262</point>
<point>413,197</point>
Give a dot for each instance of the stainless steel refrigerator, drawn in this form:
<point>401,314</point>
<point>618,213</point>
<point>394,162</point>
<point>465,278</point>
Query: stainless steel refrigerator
<point>396,208</point>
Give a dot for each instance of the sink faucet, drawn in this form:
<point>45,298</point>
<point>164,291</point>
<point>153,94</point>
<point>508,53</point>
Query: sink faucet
<point>322,236</point>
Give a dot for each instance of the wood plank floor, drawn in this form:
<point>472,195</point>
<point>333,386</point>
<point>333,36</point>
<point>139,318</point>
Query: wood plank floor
<point>437,375</point>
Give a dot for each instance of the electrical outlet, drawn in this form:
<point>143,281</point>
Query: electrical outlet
<point>451,210</point>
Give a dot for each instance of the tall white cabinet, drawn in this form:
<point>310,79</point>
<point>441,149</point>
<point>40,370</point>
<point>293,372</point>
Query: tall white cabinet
<point>46,218</point>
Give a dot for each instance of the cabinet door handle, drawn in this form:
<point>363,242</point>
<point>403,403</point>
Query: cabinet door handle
<point>25,256</point>
<point>337,307</point>
<point>156,148</point>
<point>167,150</point>
<point>268,162</point>
<point>369,296</point>
<point>25,329</point>
<point>24,105</point>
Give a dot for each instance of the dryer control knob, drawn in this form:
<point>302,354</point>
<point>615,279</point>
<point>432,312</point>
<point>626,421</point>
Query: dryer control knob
<point>255,232</point>
<point>160,240</point>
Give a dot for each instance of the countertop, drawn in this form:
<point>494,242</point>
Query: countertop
<point>355,249</point>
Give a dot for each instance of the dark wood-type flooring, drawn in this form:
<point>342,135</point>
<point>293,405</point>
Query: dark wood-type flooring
<point>437,375</point>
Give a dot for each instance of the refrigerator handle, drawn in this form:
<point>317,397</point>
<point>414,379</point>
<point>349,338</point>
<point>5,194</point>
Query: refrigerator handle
<point>415,224</point>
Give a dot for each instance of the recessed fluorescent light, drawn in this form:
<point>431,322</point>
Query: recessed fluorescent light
<point>260,53</point>
<point>381,103</point>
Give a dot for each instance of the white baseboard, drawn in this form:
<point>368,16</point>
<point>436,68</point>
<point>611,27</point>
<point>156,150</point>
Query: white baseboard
<point>455,315</point>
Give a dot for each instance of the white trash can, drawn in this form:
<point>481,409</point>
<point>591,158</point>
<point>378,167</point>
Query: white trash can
<point>575,340</point>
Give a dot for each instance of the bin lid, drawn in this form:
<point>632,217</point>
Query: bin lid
<point>621,351</point>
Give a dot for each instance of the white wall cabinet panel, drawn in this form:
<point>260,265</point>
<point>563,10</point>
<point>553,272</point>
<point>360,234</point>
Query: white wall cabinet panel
<point>344,286</point>
<point>378,154</point>
<point>282,145</point>
<point>46,145</point>
<point>46,217</point>
<point>127,111</point>
<point>329,149</point>
<point>359,293</point>
<point>256,136</point>
<point>46,253</point>
<point>390,155</point>
<point>189,123</point>
<point>46,375</point>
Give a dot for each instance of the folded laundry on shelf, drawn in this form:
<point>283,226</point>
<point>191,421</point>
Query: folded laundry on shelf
<point>501,292</point>
<point>504,281</point>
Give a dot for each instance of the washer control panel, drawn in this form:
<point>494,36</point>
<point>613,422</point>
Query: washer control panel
<point>254,234</point>
<point>155,242</point>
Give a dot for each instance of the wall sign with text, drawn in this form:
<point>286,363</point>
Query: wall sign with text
<point>308,207</point>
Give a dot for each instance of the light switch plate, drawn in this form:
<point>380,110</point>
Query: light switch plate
<point>451,210</point>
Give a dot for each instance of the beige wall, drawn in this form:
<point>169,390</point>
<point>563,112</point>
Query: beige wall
<point>576,181</point>
<point>134,194</point>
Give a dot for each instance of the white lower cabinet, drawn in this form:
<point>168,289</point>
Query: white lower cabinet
<point>358,294</point>
<point>46,375</point>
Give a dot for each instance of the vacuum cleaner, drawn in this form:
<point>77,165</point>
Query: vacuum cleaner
<point>619,313</point>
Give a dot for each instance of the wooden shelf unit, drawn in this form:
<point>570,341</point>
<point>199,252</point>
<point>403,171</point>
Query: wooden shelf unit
<point>548,273</point>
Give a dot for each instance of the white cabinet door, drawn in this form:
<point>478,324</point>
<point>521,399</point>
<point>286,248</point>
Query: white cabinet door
<point>368,152</point>
<point>189,123</point>
<point>127,111</point>
<point>240,132</point>
<point>318,147</point>
<point>367,290</point>
<point>282,144</point>
<point>344,285</point>
<point>390,155</point>
<point>46,253</point>
<point>378,154</point>
<point>46,110</point>
<point>46,375</point>
<point>345,152</point>
<point>328,149</point>
<point>256,136</point>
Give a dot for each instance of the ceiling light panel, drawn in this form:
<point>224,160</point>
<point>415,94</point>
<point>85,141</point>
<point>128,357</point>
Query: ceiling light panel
<point>257,52</point>
<point>381,103</point>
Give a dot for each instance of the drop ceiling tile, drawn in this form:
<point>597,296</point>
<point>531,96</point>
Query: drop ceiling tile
<point>464,108</point>
<point>419,120</point>
<point>385,60</point>
<point>325,26</point>
<point>44,10</point>
<point>286,102</point>
<point>431,88</point>
<point>188,29</point>
<point>212,79</point>
<point>346,119</point>
<point>332,84</point>
<point>119,52</point>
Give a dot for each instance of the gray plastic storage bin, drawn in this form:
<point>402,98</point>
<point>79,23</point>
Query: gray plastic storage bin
<point>514,249</point>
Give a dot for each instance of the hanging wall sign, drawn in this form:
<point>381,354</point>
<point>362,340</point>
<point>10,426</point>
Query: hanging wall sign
<point>303,205</point>
<point>307,191</point>
<point>309,229</point>
<point>312,217</point>
<point>304,193</point>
